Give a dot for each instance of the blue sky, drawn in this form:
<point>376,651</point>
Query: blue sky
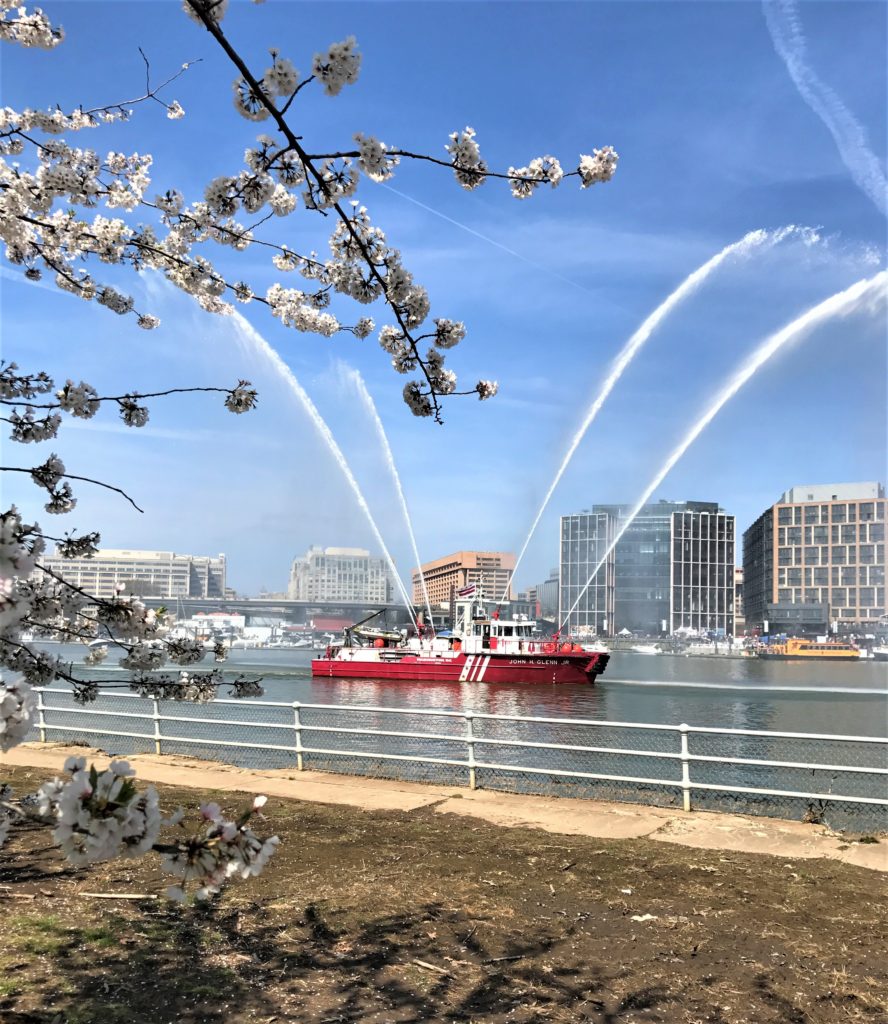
<point>714,140</point>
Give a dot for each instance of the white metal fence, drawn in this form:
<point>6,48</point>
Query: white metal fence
<point>842,780</point>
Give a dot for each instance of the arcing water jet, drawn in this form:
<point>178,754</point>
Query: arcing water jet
<point>690,284</point>
<point>259,345</point>
<point>863,293</point>
<point>367,399</point>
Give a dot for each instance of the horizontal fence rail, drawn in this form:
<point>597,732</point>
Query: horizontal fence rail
<point>843,780</point>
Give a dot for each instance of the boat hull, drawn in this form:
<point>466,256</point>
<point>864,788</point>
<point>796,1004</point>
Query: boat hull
<point>567,668</point>
<point>811,657</point>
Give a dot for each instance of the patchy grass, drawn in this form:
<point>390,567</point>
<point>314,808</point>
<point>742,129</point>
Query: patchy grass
<point>414,917</point>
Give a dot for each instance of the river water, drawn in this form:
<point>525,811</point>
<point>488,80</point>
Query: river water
<point>737,693</point>
<point>838,700</point>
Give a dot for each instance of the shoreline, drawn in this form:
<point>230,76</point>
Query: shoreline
<point>704,830</point>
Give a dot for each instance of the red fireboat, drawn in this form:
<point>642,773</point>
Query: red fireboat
<point>482,648</point>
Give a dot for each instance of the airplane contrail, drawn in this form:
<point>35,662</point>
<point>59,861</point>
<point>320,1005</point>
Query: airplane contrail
<point>490,241</point>
<point>849,135</point>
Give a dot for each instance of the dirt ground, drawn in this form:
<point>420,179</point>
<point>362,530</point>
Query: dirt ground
<point>397,917</point>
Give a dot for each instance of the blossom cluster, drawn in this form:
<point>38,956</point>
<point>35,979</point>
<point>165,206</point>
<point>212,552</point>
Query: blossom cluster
<point>54,122</point>
<point>17,704</point>
<point>339,66</point>
<point>18,25</point>
<point>225,849</point>
<point>100,816</point>
<point>469,168</point>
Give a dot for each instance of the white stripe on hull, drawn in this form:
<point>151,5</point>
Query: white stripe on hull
<point>467,668</point>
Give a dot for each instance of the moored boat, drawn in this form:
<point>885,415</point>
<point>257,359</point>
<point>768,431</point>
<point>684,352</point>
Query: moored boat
<point>481,648</point>
<point>796,647</point>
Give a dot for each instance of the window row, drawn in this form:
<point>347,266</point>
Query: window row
<point>847,512</point>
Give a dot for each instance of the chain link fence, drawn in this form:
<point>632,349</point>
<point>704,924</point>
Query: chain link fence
<point>841,781</point>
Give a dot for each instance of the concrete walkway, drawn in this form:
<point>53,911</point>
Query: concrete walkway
<point>597,819</point>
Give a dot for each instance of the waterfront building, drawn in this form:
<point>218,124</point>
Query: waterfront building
<point>145,573</point>
<point>547,595</point>
<point>815,560</point>
<point>524,604</point>
<point>739,613</point>
<point>340,574</point>
<point>672,569</point>
<point>490,571</point>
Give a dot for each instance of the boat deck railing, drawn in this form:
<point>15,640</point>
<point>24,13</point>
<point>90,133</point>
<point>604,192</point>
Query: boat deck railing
<point>840,780</point>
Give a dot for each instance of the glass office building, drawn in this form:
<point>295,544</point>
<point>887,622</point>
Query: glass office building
<point>672,568</point>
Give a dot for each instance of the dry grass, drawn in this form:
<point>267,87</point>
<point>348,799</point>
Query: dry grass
<point>385,917</point>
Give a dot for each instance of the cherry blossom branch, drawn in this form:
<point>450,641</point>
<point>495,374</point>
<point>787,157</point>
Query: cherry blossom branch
<point>213,27</point>
<point>450,165</point>
<point>110,111</point>
<point>72,476</point>
<point>118,398</point>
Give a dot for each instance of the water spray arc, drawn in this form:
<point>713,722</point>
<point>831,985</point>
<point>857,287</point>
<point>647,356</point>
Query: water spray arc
<point>750,241</point>
<point>259,345</point>
<point>864,293</point>
<point>367,399</point>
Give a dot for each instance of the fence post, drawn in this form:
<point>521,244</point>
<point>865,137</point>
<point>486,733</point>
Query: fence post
<point>685,768</point>
<point>156,716</point>
<point>470,744</point>
<point>297,725</point>
<point>41,717</point>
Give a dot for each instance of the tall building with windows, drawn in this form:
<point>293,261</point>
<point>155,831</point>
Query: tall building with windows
<point>145,573</point>
<point>816,558</point>
<point>672,568</point>
<point>490,570</point>
<point>340,574</point>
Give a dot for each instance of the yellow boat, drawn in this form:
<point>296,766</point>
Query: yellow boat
<point>795,647</point>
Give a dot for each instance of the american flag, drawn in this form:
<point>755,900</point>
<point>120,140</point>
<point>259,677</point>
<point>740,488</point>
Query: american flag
<point>468,591</point>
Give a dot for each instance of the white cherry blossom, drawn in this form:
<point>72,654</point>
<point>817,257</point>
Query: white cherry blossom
<point>339,66</point>
<point>17,707</point>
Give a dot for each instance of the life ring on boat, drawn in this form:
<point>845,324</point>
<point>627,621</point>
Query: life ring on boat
<point>549,648</point>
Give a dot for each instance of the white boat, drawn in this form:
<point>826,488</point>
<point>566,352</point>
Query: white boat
<point>880,653</point>
<point>646,649</point>
<point>596,647</point>
<point>290,645</point>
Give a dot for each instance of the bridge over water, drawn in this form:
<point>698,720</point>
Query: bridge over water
<point>259,608</point>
